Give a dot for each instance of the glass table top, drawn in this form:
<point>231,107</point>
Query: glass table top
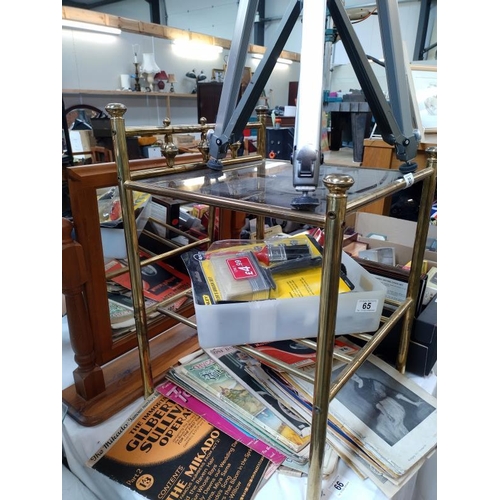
<point>268,182</point>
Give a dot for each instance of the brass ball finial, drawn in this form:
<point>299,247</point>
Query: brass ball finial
<point>432,152</point>
<point>338,183</point>
<point>116,109</point>
<point>261,110</point>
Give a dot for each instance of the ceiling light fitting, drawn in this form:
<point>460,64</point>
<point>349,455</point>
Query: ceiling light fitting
<point>280,59</point>
<point>90,27</point>
<point>196,50</point>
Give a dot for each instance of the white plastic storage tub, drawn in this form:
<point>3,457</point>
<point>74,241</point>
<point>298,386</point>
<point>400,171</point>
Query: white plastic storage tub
<point>358,311</point>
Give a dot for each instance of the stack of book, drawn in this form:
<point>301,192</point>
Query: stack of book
<point>222,378</point>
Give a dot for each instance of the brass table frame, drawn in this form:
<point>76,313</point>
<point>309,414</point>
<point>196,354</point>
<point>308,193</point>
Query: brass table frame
<point>337,208</point>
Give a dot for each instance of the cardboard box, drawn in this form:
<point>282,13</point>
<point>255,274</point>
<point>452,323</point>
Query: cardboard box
<point>151,152</point>
<point>293,318</point>
<point>399,234</point>
<point>185,141</point>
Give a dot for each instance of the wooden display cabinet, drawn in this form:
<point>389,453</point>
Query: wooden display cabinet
<point>99,384</point>
<point>108,374</point>
<point>83,183</point>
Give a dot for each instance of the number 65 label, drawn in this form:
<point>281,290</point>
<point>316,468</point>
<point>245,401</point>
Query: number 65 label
<point>366,305</point>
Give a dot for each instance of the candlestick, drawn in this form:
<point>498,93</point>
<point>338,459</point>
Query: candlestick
<point>137,86</point>
<point>135,50</point>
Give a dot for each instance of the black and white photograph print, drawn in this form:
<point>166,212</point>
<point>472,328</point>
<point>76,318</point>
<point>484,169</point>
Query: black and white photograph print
<point>384,405</point>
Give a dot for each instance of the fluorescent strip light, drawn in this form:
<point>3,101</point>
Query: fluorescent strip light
<point>280,59</point>
<point>90,27</point>
<point>196,50</point>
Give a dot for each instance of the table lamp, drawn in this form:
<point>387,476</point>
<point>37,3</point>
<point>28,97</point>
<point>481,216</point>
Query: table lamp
<point>199,78</point>
<point>171,80</point>
<point>161,78</point>
<point>149,68</point>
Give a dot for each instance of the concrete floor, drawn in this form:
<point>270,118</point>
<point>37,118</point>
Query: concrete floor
<point>342,157</point>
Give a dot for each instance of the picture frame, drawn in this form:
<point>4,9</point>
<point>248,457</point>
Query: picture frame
<point>425,89</point>
<point>218,74</point>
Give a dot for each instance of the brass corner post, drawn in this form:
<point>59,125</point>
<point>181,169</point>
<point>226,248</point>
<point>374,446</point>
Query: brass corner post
<point>336,204</point>
<point>261,134</point>
<point>261,150</point>
<point>117,112</point>
<point>431,156</point>
<point>424,214</point>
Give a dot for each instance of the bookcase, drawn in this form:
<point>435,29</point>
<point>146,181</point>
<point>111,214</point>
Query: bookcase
<point>207,100</point>
<point>262,187</point>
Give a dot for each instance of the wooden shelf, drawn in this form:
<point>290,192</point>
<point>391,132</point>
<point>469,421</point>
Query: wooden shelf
<point>129,93</point>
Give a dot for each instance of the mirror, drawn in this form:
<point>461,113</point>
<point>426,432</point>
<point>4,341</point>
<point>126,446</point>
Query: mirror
<point>82,139</point>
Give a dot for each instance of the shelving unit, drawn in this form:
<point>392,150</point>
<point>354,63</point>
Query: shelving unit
<point>129,93</point>
<point>264,188</point>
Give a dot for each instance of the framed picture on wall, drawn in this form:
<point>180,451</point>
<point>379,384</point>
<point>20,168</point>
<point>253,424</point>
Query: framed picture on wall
<point>424,80</point>
<point>218,75</point>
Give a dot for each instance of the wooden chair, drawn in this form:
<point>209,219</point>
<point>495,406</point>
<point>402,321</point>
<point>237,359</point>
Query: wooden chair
<point>101,154</point>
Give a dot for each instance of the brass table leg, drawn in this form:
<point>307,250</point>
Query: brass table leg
<point>336,204</point>
<point>424,217</point>
<point>117,111</point>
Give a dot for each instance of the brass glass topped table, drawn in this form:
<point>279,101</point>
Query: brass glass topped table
<point>264,187</point>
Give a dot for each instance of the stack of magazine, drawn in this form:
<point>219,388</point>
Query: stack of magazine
<point>223,421</point>
<point>382,424</point>
<point>221,378</point>
<point>166,450</point>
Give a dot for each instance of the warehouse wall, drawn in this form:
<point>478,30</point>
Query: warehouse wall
<point>92,63</point>
<point>217,17</point>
